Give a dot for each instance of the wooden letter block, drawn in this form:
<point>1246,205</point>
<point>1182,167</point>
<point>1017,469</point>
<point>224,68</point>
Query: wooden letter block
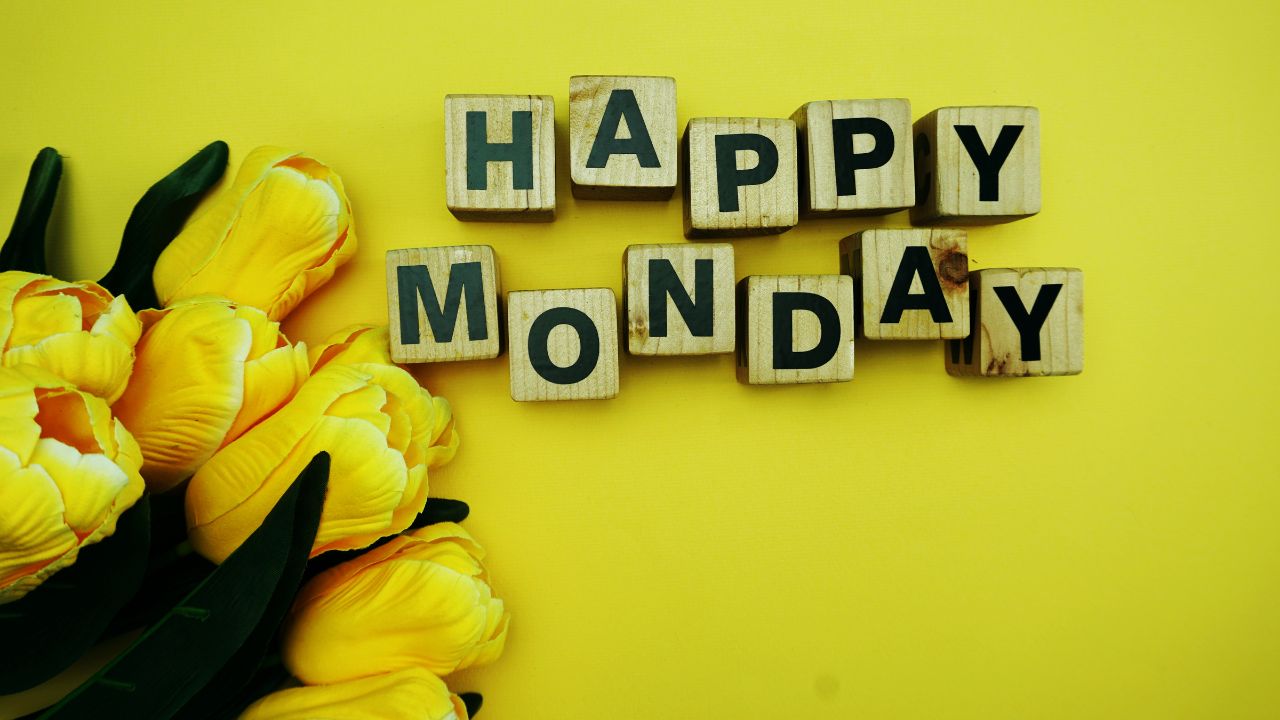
<point>742,177</point>
<point>442,304</point>
<point>564,344</point>
<point>500,157</point>
<point>1027,321</point>
<point>977,165</point>
<point>795,329</point>
<point>914,283</point>
<point>679,299</point>
<point>622,137</point>
<point>855,157</point>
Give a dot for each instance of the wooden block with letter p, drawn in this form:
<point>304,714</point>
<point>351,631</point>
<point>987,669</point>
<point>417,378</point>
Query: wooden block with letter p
<point>443,304</point>
<point>913,282</point>
<point>977,165</point>
<point>741,177</point>
<point>500,157</point>
<point>564,344</point>
<point>855,157</point>
<point>1026,321</point>
<point>622,137</point>
<point>679,299</point>
<point>795,329</point>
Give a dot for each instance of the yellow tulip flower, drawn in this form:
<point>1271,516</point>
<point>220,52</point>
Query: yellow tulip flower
<point>206,371</point>
<point>421,600</point>
<point>67,472</point>
<point>75,330</point>
<point>356,344</point>
<point>412,694</point>
<point>278,233</point>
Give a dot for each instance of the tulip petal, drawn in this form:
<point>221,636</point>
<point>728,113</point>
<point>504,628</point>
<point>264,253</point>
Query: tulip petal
<point>269,382</point>
<point>98,365</point>
<point>412,693</point>
<point>32,533</point>
<point>39,316</point>
<point>90,484</point>
<point>354,345</point>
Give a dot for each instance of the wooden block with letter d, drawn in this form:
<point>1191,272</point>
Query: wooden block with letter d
<point>913,283</point>
<point>741,177</point>
<point>500,157</point>
<point>564,344</point>
<point>679,299</point>
<point>855,157</point>
<point>443,304</point>
<point>1026,321</point>
<point>622,137</point>
<point>795,329</point>
<point>977,165</point>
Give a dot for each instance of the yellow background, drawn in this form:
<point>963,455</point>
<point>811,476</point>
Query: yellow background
<point>909,545</point>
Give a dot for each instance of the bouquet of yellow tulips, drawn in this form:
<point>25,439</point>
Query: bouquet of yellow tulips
<point>254,512</point>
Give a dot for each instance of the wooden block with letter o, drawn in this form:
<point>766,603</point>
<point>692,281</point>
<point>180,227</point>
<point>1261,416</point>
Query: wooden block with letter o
<point>795,329</point>
<point>977,165</point>
<point>679,299</point>
<point>622,137</point>
<point>913,282</point>
<point>500,157</point>
<point>741,177</point>
<point>855,157</point>
<point>564,344</point>
<point>442,304</point>
<point>1026,321</point>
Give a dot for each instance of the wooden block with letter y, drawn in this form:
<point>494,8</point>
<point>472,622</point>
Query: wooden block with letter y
<point>500,157</point>
<point>679,299</point>
<point>795,329</point>
<point>564,344</point>
<point>741,177</point>
<point>913,283</point>
<point>443,304</point>
<point>855,157</point>
<point>622,137</point>
<point>1026,321</point>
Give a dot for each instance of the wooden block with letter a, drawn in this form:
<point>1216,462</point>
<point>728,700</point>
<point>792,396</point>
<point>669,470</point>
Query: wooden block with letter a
<point>855,157</point>
<point>443,304</point>
<point>564,344</point>
<point>679,299</point>
<point>913,283</point>
<point>795,329</point>
<point>1026,321</point>
<point>741,177</point>
<point>500,157</point>
<point>977,165</point>
<point>622,137</point>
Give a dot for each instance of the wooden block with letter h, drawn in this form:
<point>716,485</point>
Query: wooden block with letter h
<point>679,299</point>
<point>564,344</point>
<point>500,157</point>
<point>741,177</point>
<point>1026,321</point>
<point>795,329</point>
<point>442,304</point>
<point>977,165</point>
<point>913,282</point>
<point>622,137</point>
<point>855,157</point>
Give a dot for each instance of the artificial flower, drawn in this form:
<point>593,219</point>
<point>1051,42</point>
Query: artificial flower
<point>352,345</point>
<point>412,694</point>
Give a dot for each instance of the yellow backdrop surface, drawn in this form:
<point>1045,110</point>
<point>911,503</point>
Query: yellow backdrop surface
<point>908,545</point>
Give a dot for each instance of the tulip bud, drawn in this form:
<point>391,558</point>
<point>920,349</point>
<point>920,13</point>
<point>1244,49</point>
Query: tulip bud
<point>412,693</point>
<point>421,600</point>
<point>278,233</point>
<point>75,330</point>
<point>67,472</point>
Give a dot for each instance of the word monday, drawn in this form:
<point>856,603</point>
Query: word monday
<point>956,166</point>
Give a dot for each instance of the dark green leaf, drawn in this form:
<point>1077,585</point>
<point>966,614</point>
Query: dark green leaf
<point>440,510</point>
<point>24,250</point>
<point>156,220</point>
<point>58,621</point>
<point>473,701</point>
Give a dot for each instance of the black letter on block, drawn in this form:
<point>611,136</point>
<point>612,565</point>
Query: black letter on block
<point>465,281</point>
<point>959,346</point>
<point>847,161</point>
<point>698,314</point>
<point>729,178</point>
<point>1029,324</point>
<point>588,339</point>
<point>924,177</point>
<point>518,152</point>
<point>784,355</point>
<point>622,103</point>
<point>915,261</point>
<point>989,164</point>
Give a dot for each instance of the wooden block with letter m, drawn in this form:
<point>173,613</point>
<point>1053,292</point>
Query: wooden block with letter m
<point>442,304</point>
<point>1026,321</point>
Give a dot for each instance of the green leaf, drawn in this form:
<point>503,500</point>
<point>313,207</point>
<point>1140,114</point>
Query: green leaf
<point>57,622</point>
<point>156,221</point>
<point>24,250</point>
<point>181,653</point>
<point>473,701</point>
<point>440,510</point>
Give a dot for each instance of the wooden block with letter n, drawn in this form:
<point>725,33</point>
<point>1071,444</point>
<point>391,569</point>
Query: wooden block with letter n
<point>1026,321</point>
<point>977,165</point>
<point>564,344</point>
<point>443,304</point>
<point>795,329</point>
<point>855,157</point>
<point>741,177</point>
<point>622,137</point>
<point>679,299</point>
<point>500,157</point>
<point>913,282</point>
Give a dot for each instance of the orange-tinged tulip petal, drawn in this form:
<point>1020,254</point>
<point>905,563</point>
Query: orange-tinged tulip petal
<point>354,345</point>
